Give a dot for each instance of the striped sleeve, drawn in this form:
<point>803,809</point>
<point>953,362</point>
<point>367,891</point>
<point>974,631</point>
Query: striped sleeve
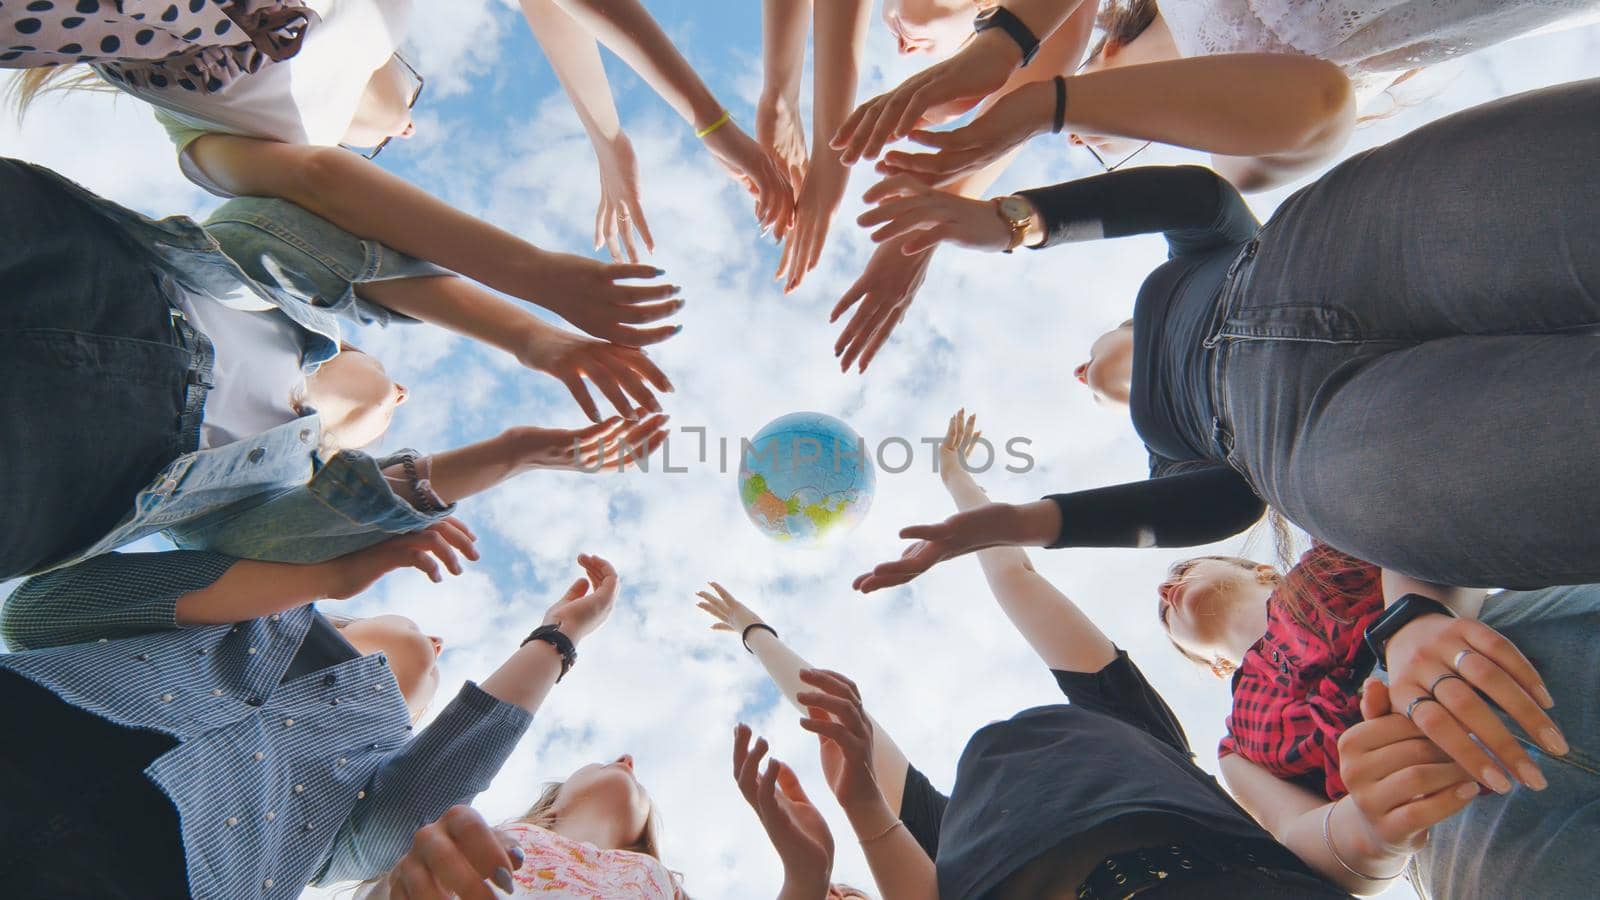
<point>114,595</point>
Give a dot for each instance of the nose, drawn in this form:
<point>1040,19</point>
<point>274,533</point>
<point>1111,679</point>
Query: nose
<point>1081,373</point>
<point>437,642</point>
<point>1165,590</point>
<point>904,45</point>
<point>626,759</point>
<point>400,394</point>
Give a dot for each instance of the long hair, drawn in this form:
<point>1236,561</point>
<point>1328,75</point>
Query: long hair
<point>1120,21</point>
<point>30,84</point>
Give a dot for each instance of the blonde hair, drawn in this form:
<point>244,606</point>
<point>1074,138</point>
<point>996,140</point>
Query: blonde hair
<point>30,84</point>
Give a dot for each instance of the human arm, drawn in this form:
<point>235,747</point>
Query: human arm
<point>1181,510</point>
<point>1057,630</point>
<point>900,866</point>
<point>575,56</point>
<point>795,826</point>
<point>609,445</point>
<point>455,757</point>
<point>632,33</point>
<point>783,47</point>
<point>623,373</point>
<point>363,199</point>
<point>784,666</point>
<point>1193,207</point>
<point>1266,117</point>
<point>1449,673</point>
<point>841,40</point>
<point>981,67</point>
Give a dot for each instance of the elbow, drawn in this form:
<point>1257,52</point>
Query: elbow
<point>318,173</point>
<point>1327,107</point>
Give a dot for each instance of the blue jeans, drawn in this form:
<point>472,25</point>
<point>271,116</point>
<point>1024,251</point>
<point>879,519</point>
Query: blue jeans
<point>1534,843</point>
<point>94,373</point>
<point>1409,367</point>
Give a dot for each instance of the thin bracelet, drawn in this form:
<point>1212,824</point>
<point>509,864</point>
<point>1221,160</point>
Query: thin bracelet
<point>1327,838</point>
<point>882,834</point>
<point>723,120</point>
<point>744,636</point>
<point>1060,120</point>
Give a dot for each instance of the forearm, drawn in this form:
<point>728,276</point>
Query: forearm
<point>783,46</point>
<point>965,491</point>
<point>1245,104</point>
<point>363,199</point>
<point>1303,834</point>
<point>575,57</point>
<point>841,41</point>
<point>466,471</point>
<point>459,305</point>
<point>526,678</point>
<point>899,866</point>
<point>1464,602</point>
<point>630,31</point>
<point>251,589</point>
<point>783,666</point>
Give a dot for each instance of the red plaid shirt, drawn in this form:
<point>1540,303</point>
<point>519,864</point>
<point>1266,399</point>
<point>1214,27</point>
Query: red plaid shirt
<point>1297,689</point>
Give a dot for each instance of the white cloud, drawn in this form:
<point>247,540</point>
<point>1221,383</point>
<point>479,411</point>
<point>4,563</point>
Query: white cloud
<point>998,335</point>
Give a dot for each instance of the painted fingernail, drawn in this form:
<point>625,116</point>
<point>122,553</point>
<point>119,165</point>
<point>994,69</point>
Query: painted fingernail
<point>1545,700</point>
<point>1552,741</point>
<point>1497,780</point>
<point>502,879</point>
<point>1531,776</point>
<point>1467,791</point>
<point>517,857</point>
<point>677,328</point>
<point>660,272</point>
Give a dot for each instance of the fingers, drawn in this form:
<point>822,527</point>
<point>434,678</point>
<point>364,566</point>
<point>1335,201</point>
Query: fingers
<point>640,313</point>
<point>854,130</point>
<point>1375,699</point>
<point>861,330</point>
<point>1511,694</point>
<point>832,682</point>
<point>600,571</point>
<point>638,361</point>
<point>929,238</point>
<point>625,233</point>
<point>636,214</point>
<point>601,378</point>
<point>621,271</point>
<point>895,186</point>
<point>480,845</point>
<point>1479,719</point>
<point>1427,811</point>
<point>1504,654</point>
<point>578,589</point>
<point>844,711</point>
<point>645,293</point>
<point>857,292</point>
<point>580,393</point>
<point>889,116</point>
<point>1442,728</point>
<point>446,868</point>
<point>643,337</point>
<point>892,574</point>
<point>457,535</point>
<point>631,383</point>
<point>881,336</point>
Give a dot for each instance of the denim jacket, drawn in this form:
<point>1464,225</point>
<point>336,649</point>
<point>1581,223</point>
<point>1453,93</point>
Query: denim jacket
<point>276,784</point>
<point>269,497</point>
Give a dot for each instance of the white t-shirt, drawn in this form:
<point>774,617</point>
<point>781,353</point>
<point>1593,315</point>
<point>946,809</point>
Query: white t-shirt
<point>257,369</point>
<point>309,98</point>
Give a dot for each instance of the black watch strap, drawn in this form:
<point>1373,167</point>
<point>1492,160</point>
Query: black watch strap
<point>551,634</point>
<point>1007,21</point>
<point>1400,614</point>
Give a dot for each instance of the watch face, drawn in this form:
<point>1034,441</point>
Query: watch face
<point>1016,209</point>
<point>985,18</point>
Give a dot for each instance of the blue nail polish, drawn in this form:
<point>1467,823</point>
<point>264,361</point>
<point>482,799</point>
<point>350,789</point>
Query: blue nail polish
<point>660,272</point>
<point>677,328</point>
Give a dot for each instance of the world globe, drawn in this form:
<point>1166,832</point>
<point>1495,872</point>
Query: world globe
<point>806,478</point>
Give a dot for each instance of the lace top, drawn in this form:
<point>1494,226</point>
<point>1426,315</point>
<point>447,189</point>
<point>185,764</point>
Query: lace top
<point>1373,40</point>
<point>557,866</point>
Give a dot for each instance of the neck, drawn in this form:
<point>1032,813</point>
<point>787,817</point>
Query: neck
<point>600,830</point>
<point>1155,43</point>
<point>1249,629</point>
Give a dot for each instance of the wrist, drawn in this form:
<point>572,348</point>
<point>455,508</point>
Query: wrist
<point>869,816</point>
<point>1036,524</point>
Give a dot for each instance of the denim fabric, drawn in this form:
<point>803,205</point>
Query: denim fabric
<point>278,243</point>
<point>91,369</point>
<point>275,783</point>
<point>1534,843</point>
<point>1408,367</point>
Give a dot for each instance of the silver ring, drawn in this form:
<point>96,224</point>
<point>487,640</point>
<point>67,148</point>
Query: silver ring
<point>1410,707</point>
<point>1433,688</point>
<point>1456,663</point>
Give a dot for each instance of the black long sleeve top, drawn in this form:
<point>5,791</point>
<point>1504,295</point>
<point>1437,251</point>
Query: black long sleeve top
<point>1193,496</point>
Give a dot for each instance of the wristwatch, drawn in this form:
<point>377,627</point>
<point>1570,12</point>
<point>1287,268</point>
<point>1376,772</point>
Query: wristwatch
<point>1007,21</point>
<point>1400,614</point>
<point>1018,215</point>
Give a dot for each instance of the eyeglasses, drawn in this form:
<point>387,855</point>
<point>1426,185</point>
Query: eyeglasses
<point>1109,167</point>
<point>416,91</point>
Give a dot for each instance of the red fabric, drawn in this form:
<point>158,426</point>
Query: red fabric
<point>1296,690</point>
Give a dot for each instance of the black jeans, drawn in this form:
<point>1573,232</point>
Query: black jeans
<point>92,372</point>
<point>1409,366</point>
<point>78,818</point>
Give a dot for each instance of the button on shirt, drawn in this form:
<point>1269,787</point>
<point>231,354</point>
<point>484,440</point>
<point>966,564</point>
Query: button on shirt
<point>335,796</point>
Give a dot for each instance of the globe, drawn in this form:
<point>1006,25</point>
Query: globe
<point>806,478</point>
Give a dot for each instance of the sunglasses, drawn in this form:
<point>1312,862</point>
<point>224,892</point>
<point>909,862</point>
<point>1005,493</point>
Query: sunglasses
<point>1109,166</point>
<point>416,92</point>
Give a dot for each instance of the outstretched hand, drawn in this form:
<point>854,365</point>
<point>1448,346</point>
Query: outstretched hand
<point>961,435</point>
<point>1014,119</point>
<point>762,175</point>
<point>730,614</point>
<point>821,191</point>
<point>943,89</point>
<point>792,822</point>
<point>588,602</point>
<point>620,214</point>
<point>780,130</point>
<point>884,291</point>
<point>624,375</point>
<point>920,217</point>
<point>990,525</point>
<point>585,292</point>
<point>454,857</point>
<point>425,550</point>
<point>611,445</point>
<point>836,715</point>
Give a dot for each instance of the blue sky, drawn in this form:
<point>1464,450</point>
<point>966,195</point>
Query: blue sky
<point>998,335</point>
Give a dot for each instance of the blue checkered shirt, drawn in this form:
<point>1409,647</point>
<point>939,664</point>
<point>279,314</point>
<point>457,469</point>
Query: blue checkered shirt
<point>276,785</point>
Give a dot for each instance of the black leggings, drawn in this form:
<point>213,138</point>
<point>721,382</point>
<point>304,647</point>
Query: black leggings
<point>78,818</point>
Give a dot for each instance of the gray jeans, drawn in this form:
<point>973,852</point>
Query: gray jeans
<point>1534,843</point>
<point>1408,362</point>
